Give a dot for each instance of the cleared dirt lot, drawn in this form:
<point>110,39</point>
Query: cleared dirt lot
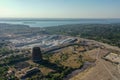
<point>113,57</point>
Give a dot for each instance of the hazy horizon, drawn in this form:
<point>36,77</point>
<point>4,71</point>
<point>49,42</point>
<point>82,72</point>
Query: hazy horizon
<point>95,9</point>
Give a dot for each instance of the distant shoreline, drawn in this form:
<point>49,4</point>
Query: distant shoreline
<point>37,22</point>
<point>55,19</point>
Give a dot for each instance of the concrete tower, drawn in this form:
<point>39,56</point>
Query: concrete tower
<point>36,54</point>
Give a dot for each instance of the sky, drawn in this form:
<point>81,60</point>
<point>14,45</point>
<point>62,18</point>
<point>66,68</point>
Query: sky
<point>59,8</point>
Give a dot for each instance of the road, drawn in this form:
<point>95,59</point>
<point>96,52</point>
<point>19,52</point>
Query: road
<point>104,65</point>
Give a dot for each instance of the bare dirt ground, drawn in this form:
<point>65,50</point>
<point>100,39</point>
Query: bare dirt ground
<point>104,70</point>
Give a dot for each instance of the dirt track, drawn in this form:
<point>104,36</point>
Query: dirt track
<point>103,70</point>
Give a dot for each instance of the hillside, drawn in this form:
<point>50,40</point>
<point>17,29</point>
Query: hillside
<point>66,58</point>
<point>107,33</point>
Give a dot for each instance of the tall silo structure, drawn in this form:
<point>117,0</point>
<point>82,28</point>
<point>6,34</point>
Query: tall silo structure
<point>36,54</point>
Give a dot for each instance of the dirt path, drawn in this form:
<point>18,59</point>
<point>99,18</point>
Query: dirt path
<point>103,70</point>
<point>109,72</point>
